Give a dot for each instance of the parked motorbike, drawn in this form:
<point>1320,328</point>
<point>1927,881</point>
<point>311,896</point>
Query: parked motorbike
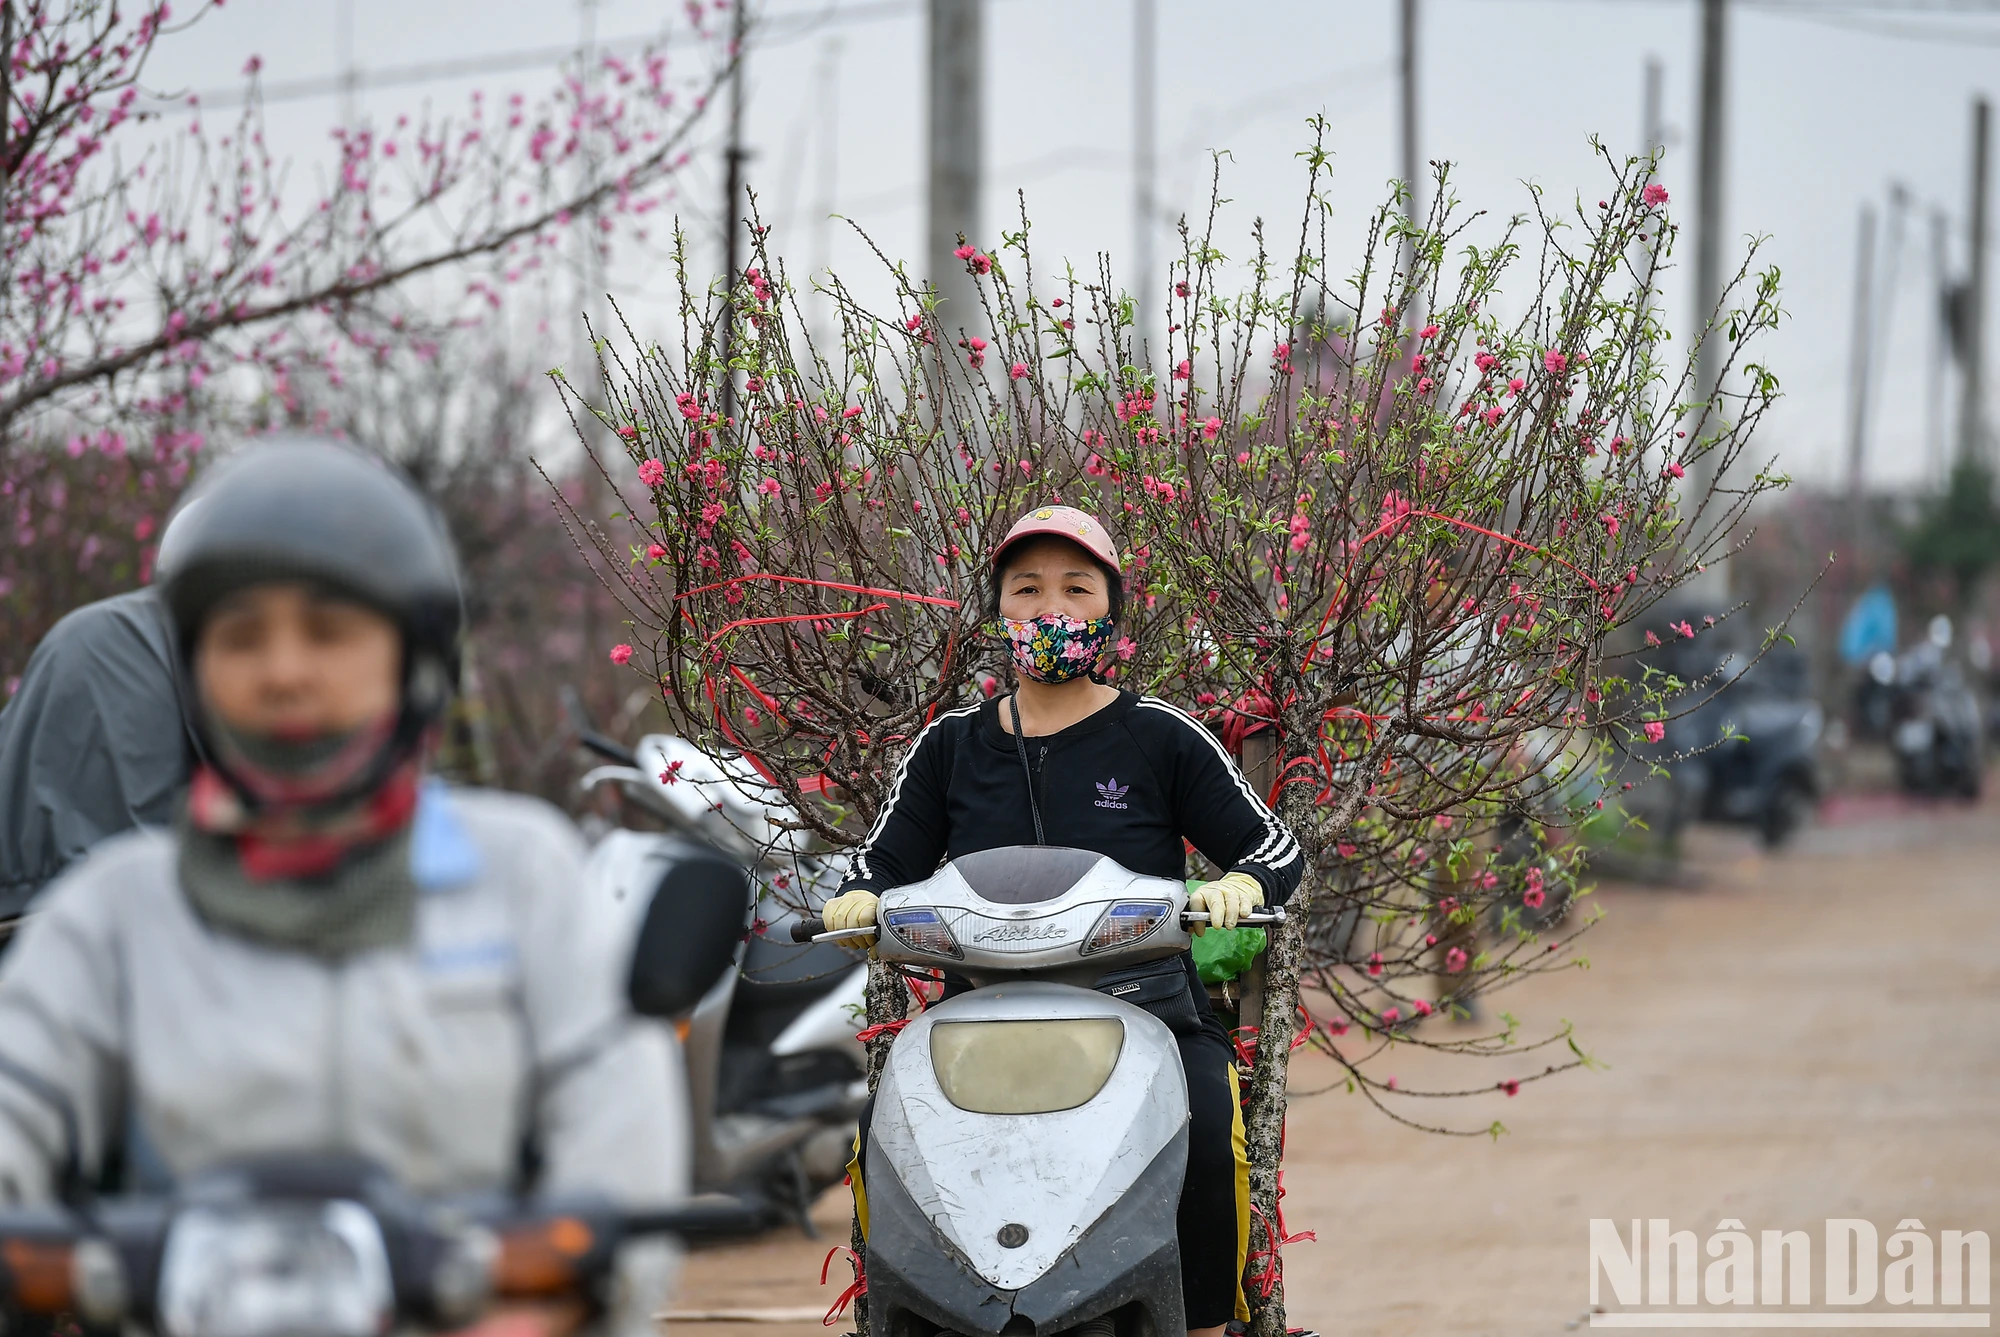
<point>1758,741</point>
<point>1030,1136</point>
<point>1934,718</point>
<point>316,1247</point>
<point>775,1076</point>
<point>1745,738</point>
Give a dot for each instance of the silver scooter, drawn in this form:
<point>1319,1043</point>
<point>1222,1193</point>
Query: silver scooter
<point>1029,1138</point>
<point>774,1073</point>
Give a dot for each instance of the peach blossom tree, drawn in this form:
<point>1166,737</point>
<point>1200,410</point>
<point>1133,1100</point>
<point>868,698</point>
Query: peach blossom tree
<point>1398,515</point>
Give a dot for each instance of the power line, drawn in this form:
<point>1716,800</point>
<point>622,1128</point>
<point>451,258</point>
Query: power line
<point>1880,6</point>
<point>1213,127</point>
<point>1878,18</point>
<point>1957,35</point>
<point>772,31</point>
<point>1817,8</point>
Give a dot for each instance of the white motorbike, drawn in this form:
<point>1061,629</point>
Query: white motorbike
<point>774,1073</point>
<point>1029,1138</point>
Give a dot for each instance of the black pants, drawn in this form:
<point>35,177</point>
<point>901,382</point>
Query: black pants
<point>1213,1221</point>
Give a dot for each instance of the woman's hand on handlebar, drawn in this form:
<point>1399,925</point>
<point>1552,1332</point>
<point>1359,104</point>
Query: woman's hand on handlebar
<point>853,909</point>
<point>1226,900</point>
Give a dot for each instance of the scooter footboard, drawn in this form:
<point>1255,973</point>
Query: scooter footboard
<point>1128,1258</point>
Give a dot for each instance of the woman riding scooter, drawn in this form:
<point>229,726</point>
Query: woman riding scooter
<point>1068,760</point>
<point>329,954</point>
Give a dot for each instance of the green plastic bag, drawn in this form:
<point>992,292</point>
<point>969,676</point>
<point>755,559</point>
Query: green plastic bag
<point>1224,953</point>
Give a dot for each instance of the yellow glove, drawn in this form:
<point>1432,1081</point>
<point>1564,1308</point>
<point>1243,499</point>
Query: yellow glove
<point>1227,900</point>
<point>853,909</point>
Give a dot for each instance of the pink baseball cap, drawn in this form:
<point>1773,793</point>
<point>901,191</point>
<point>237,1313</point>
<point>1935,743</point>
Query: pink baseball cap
<point>1067,522</point>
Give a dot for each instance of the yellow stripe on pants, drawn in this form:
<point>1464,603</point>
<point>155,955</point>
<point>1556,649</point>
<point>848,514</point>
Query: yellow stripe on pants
<point>861,1193</point>
<point>1239,1146</point>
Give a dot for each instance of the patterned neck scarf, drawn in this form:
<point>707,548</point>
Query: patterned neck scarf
<point>283,851</point>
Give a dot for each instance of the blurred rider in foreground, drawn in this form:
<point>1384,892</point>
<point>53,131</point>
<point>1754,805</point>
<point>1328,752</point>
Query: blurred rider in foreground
<point>328,953</point>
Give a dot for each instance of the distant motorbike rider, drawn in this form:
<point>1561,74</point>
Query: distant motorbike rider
<point>329,953</point>
<point>93,741</point>
<point>1066,759</point>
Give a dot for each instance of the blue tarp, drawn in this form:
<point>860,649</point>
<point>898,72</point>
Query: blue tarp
<point>1870,628</point>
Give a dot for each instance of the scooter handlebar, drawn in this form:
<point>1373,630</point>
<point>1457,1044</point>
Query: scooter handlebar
<point>815,930</point>
<point>1254,919</point>
<point>709,1214</point>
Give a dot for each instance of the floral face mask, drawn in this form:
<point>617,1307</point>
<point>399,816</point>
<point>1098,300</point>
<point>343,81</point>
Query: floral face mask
<point>1056,647</point>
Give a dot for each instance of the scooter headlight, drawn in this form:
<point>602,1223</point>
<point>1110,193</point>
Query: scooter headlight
<point>923,931</point>
<point>302,1269</point>
<point>1125,923</point>
<point>1025,1067</point>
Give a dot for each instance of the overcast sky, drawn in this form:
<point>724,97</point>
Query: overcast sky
<point>1826,112</point>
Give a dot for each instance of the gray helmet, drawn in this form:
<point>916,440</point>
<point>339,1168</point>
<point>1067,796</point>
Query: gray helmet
<point>314,510</point>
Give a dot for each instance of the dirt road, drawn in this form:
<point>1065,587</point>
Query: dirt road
<point>1810,1035</point>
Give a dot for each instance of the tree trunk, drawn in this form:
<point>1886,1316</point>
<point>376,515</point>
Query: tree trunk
<point>1265,1126</point>
<point>1260,768</point>
<point>888,1001</point>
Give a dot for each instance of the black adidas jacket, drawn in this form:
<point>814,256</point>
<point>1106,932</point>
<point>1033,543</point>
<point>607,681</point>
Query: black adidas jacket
<point>1129,781</point>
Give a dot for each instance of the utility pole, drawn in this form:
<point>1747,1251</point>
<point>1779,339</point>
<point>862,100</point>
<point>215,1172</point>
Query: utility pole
<point>6,88</point>
<point>1407,73</point>
<point>824,197</point>
<point>955,157</point>
<point>1145,59</point>
<point>1935,452</point>
<point>1652,128</point>
<point>1857,376</point>
<point>732,202</point>
<point>590,273</point>
<point>1888,277</point>
<point>1711,140</point>
<point>1653,114</point>
<point>1971,424</point>
<point>343,40</point>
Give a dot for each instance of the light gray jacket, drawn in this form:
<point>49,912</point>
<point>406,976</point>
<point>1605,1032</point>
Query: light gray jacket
<point>187,1046</point>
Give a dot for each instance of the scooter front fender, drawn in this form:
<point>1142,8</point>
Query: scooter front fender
<point>1050,1218</point>
<point>1129,1257</point>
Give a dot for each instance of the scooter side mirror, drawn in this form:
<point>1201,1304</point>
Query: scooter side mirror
<point>690,934</point>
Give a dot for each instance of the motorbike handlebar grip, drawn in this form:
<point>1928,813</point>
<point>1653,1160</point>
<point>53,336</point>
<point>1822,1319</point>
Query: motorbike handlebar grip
<point>709,1214</point>
<point>1274,915</point>
<point>805,930</point>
